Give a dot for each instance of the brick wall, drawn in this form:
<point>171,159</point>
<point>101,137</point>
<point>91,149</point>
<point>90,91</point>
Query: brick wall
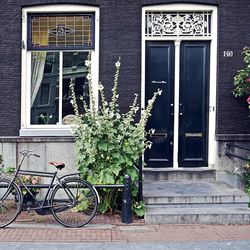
<point>120,35</point>
<point>234,30</point>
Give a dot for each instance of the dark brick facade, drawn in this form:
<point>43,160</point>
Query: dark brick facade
<point>234,30</point>
<point>120,35</point>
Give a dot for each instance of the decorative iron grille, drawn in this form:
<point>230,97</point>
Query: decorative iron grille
<point>164,24</point>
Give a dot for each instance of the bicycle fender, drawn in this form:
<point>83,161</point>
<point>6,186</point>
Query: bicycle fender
<point>70,175</point>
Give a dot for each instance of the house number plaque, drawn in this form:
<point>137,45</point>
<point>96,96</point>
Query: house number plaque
<point>228,53</point>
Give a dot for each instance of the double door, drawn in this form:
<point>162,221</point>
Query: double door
<point>180,114</point>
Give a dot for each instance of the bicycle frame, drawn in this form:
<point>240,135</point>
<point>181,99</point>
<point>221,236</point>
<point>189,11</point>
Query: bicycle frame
<point>53,175</point>
<point>21,184</point>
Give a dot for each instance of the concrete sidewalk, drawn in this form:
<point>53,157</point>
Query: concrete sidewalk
<point>109,229</point>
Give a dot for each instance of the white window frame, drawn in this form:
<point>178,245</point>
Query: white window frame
<point>213,67</point>
<point>52,130</point>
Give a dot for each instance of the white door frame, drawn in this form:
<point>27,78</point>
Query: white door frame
<point>213,68</point>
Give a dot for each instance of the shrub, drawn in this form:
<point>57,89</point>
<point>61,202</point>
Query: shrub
<point>108,142</point>
<point>242,78</point>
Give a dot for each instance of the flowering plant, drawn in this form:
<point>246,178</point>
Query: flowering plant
<point>45,119</point>
<point>242,78</point>
<point>30,180</point>
<point>24,179</point>
<point>108,142</point>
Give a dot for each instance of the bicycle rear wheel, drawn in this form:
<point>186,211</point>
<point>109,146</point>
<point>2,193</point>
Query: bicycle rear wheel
<point>10,202</point>
<point>75,203</point>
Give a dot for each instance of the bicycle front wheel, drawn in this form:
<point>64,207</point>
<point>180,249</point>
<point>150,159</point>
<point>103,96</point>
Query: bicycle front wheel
<point>74,204</point>
<point>10,202</point>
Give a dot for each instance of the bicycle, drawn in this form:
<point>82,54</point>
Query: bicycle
<point>71,200</point>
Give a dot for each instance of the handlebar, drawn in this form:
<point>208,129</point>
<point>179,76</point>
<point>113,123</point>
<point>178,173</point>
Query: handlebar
<point>28,153</point>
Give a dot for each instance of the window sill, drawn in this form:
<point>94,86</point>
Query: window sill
<point>45,132</point>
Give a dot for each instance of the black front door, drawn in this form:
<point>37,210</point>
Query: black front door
<point>192,149</point>
<point>160,75</point>
<point>193,106</point>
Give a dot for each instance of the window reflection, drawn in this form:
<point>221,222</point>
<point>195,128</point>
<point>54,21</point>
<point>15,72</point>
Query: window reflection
<point>45,86</point>
<point>75,71</point>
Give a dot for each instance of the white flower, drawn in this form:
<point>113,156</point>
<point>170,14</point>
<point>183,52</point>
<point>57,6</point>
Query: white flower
<point>87,63</point>
<point>150,145</point>
<point>50,116</point>
<point>159,92</point>
<point>100,87</point>
<point>88,77</point>
<point>150,102</point>
<point>152,131</point>
<point>118,64</point>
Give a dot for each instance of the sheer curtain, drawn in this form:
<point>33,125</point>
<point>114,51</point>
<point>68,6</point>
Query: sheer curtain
<point>37,68</point>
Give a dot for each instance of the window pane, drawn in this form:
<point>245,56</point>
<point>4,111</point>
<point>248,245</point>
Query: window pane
<point>44,87</point>
<point>61,31</point>
<point>74,70</point>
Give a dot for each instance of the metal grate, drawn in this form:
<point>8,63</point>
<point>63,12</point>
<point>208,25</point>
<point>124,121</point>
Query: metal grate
<point>61,31</point>
<point>164,24</point>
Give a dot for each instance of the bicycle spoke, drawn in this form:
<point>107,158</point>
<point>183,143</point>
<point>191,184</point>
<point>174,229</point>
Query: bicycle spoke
<point>10,198</point>
<point>81,202</point>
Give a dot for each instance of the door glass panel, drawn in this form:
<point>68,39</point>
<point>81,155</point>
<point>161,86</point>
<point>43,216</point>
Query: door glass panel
<point>44,99</point>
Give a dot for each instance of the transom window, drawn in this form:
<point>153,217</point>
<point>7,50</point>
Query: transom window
<point>59,39</point>
<point>61,31</point>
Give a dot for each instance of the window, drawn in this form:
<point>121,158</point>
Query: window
<point>57,40</point>
<point>50,31</point>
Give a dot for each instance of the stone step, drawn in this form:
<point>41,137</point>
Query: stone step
<point>198,215</point>
<point>192,202</point>
<point>171,174</point>
<point>195,193</point>
<point>199,205</point>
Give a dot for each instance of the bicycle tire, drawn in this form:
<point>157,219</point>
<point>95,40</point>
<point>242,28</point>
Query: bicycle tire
<point>75,203</point>
<point>10,202</point>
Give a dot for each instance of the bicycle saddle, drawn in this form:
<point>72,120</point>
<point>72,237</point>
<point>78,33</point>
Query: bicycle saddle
<point>58,165</point>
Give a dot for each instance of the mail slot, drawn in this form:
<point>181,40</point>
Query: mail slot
<point>159,135</point>
<point>193,134</point>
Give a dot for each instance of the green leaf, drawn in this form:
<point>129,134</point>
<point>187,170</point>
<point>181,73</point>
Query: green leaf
<point>108,142</point>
